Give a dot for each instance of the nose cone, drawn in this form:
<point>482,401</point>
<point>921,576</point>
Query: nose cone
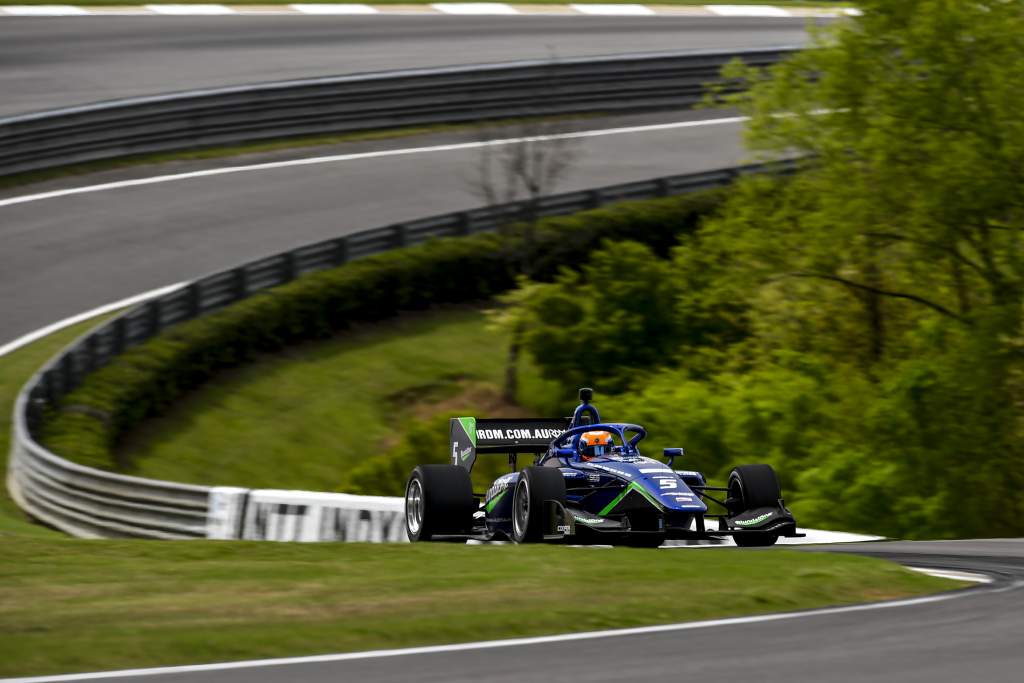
<point>673,493</point>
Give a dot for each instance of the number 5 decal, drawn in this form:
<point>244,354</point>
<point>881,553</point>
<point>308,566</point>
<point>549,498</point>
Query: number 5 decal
<point>667,484</point>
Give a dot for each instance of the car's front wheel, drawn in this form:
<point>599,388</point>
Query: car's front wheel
<point>751,487</point>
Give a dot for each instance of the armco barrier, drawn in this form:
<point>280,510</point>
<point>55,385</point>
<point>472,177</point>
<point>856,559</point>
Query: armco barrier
<point>413,97</point>
<point>92,503</point>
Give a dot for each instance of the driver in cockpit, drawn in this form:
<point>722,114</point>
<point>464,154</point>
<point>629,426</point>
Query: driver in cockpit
<point>595,445</point>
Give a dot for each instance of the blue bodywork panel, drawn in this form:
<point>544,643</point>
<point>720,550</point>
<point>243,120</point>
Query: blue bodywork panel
<point>622,490</point>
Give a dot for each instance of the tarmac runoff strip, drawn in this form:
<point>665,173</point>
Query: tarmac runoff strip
<point>513,642</point>
<point>436,9</point>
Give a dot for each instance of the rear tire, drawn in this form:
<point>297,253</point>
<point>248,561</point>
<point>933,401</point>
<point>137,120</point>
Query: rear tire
<point>438,501</point>
<point>535,485</point>
<point>751,487</point>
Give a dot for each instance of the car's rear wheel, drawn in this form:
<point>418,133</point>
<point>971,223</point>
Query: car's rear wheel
<point>751,487</point>
<point>438,501</point>
<point>535,486</point>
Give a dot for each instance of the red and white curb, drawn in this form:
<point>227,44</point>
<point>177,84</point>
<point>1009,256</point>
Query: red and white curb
<point>440,8</point>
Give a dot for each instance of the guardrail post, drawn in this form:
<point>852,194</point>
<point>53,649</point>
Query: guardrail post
<point>90,353</point>
<point>464,225</point>
<point>152,318</point>
<point>241,283</point>
<point>67,372</point>
<point>400,236</point>
<point>34,412</point>
<point>594,199</point>
<point>340,251</point>
<point>194,300</point>
<point>664,187</point>
<point>289,267</point>
<point>120,332</point>
<point>50,388</point>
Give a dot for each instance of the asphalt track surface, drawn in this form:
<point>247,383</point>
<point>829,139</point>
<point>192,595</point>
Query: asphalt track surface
<point>63,255</point>
<point>53,62</point>
<point>972,637</point>
<point>70,254</point>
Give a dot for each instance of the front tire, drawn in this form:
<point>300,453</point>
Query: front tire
<point>751,487</point>
<point>438,501</point>
<point>535,485</point>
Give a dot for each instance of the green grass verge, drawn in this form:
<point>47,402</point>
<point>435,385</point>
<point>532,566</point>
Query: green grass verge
<point>132,604</point>
<point>304,417</point>
<point>119,604</point>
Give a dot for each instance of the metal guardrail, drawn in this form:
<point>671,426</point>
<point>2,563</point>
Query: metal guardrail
<point>289,109</point>
<point>88,502</point>
<point>93,503</point>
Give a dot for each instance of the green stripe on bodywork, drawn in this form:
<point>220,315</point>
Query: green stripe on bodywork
<point>469,426</point>
<point>633,486</point>
<point>494,501</point>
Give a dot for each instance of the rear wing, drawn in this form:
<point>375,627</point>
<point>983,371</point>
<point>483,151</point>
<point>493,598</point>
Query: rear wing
<point>468,436</point>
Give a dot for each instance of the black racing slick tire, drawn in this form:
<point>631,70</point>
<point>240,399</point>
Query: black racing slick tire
<point>535,485</point>
<point>438,501</point>
<point>750,487</point>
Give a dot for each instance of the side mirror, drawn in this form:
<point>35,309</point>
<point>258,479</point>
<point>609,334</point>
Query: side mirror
<point>672,454</point>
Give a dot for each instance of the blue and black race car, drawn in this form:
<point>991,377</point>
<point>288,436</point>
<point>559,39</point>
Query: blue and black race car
<point>589,484</point>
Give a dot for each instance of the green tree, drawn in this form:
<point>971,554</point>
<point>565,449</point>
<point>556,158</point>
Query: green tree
<point>895,257</point>
<point>914,194</point>
<point>859,324</point>
<point>604,323</point>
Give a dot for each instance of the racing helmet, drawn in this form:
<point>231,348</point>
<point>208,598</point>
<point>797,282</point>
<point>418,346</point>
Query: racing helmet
<point>595,444</point>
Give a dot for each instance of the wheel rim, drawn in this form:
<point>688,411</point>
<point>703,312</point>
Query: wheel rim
<point>521,513</point>
<point>414,507</point>
<point>736,493</point>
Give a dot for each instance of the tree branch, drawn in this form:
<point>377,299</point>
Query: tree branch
<point>939,308</point>
<point>952,251</point>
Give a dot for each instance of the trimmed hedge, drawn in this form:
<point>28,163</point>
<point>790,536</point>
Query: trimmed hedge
<point>146,379</point>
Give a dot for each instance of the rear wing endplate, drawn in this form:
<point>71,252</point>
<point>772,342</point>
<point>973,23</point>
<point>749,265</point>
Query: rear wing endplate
<point>468,436</point>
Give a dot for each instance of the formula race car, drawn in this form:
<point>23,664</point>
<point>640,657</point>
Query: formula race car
<point>589,484</point>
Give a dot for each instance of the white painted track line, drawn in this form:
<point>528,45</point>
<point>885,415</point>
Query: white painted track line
<point>23,199</point>
<point>24,340</point>
<point>190,10</point>
<point>615,10</point>
<point>436,9</point>
<point>955,575</point>
<point>492,644</point>
<point>335,9</point>
<point>747,11</point>
<point>474,8</point>
<point>44,11</point>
